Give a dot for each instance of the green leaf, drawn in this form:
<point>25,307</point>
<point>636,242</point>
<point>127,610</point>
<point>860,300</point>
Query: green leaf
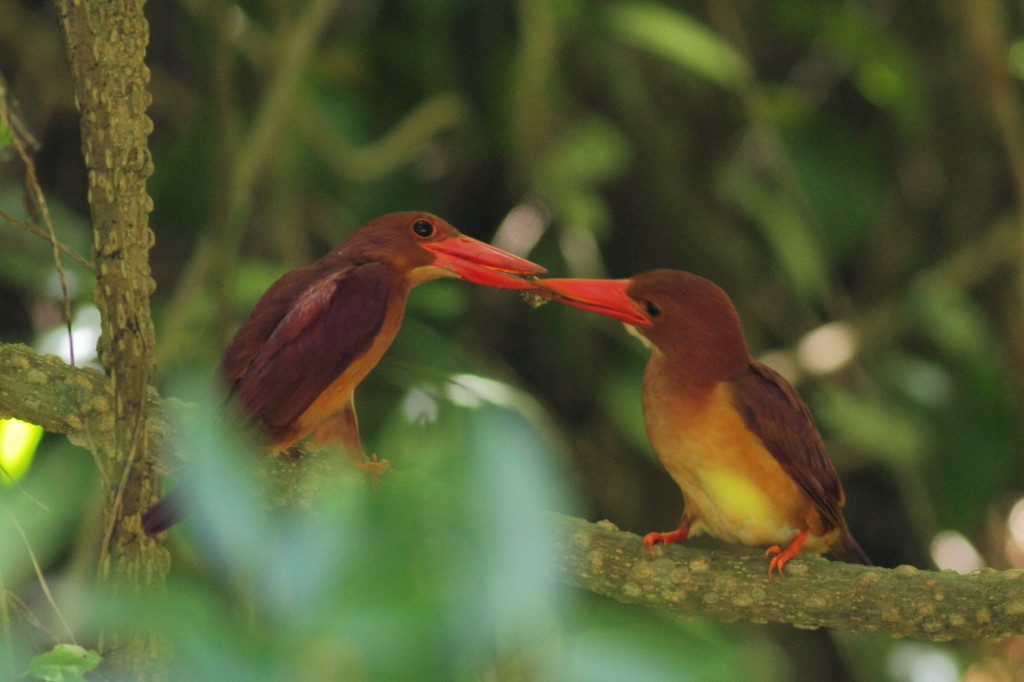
<point>783,224</point>
<point>842,180</point>
<point>881,65</point>
<point>681,40</point>
<point>64,663</point>
<point>592,152</point>
<point>858,421</point>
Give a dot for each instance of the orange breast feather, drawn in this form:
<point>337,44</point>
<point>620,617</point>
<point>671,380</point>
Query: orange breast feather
<point>733,487</point>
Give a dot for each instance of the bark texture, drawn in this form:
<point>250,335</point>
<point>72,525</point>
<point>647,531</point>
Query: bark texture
<point>731,584</point>
<point>106,44</point>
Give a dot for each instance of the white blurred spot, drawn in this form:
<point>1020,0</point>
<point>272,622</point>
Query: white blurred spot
<point>522,228</point>
<point>469,390</point>
<point>53,288</point>
<point>951,549</point>
<point>581,252</point>
<point>827,348</point>
<point>920,662</point>
<point>784,363</point>
<point>85,332</point>
<point>1015,522</point>
<point>420,407</point>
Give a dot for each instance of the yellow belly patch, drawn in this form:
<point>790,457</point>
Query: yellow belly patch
<point>733,488</point>
<point>736,497</point>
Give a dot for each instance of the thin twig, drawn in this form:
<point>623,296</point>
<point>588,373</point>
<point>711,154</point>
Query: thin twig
<point>21,490</point>
<point>27,614</point>
<point>21,140</point>
<point>39,574</point>
<point>5,627</point>
<point>41,207</point>
<point>430,118</point>
<point>29,227</point>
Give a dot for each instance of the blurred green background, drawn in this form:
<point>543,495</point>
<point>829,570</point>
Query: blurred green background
<point>850,172</point>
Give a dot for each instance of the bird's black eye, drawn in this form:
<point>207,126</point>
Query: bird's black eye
<point>652,309</point>
<point>423,228</point>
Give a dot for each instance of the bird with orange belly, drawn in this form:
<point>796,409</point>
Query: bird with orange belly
<point>295,362</point>
<point>732,433</point>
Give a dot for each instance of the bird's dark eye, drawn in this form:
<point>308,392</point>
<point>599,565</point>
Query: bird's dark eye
<point>652,309</point>
<point>423,228</point>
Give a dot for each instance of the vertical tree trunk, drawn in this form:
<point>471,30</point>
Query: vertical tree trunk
<point>106,43</point>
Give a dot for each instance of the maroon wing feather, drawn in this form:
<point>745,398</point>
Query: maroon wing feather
<point>773,410</point>
<point>299,339</point>
<point>265,316</point>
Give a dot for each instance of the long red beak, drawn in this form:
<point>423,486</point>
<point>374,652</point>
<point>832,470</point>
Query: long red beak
<point>475,261</point>
<point>604,296</point>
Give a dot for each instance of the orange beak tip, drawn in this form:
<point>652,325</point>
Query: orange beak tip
<point>604,296</point>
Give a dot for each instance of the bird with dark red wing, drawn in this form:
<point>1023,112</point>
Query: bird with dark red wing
<point>295,362</point>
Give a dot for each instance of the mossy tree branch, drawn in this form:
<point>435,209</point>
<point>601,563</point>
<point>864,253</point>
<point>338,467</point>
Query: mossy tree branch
<point>726,583</point>
<point>730,583</point>
<point>74,401</point>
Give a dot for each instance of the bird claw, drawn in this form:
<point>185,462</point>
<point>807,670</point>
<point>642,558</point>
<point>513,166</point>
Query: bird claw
<point>782,556</point>
<point>375,468</point>
<point>778,561</point>
<point>651,539</point>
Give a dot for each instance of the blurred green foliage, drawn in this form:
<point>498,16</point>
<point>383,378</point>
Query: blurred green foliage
<point>442,572</point>
<point>821,161</point>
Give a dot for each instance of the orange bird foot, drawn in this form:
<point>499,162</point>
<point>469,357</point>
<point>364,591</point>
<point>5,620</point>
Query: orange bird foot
<point>375,468</point>
<point>651,539</point>
<point>782,556</point>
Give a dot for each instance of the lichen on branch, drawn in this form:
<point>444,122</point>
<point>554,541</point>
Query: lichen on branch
<point>731,584</point>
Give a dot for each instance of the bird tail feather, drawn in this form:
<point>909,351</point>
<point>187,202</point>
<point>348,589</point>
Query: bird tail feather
<point>164,514</point>
<point>849,551</point>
